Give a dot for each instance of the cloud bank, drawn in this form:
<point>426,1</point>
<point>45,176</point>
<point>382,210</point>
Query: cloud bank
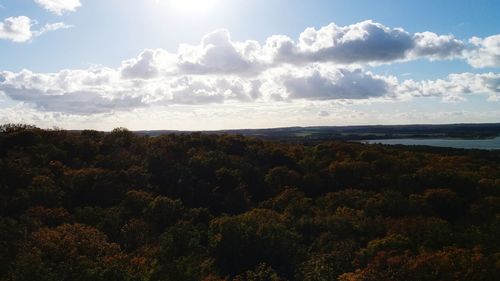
<point>324,65</point>
<point>105,90</point>
<point>365,42</point>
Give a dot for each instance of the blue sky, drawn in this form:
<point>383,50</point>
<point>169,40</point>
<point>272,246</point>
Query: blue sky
<point>108,40</point>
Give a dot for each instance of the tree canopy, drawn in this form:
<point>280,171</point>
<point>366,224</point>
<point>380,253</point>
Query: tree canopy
<point>89,205</point>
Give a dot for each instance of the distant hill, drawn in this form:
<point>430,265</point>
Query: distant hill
<point>365,132</point>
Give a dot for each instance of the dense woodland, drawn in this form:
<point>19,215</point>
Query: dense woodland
<point>119,206</point>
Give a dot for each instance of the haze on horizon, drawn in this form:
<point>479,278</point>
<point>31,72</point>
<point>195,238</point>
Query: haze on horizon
<point>229,64</point>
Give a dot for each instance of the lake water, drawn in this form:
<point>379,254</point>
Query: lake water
<point>456,143</point>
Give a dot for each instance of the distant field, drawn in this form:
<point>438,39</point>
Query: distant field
<point>304,134</point>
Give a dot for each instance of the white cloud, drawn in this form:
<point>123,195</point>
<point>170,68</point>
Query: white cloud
<point>433,46</point>
<point>79,102</point>
<point>338,83</point>
<point>100,90</point>
<point>218,54</point>
<point>51,27</point>
<point>70,91</point>
<point>455,87</point>
<point>326,65</point>
<point>16,29</point>
<point>59,7</point>
<point>149,64</point>
<point>194,90</point>
<point>106,90</point>
<point>365,42</point>
<point>486,52</point>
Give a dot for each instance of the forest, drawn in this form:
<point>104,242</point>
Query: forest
<point>117,205</point>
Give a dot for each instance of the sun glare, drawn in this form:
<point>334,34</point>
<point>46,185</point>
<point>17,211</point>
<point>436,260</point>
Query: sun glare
<point>192,6</point>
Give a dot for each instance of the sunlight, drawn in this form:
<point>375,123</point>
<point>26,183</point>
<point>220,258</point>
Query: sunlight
<point>192,6</point>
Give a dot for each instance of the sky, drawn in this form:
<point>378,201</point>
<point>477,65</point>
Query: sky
<point>229,64</point>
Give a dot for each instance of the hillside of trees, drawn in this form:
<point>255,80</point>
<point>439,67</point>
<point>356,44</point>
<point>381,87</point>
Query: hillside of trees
<point>110,206</point>
<point>370,132</point>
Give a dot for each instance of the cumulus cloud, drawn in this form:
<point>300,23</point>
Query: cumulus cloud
<point>100,90</point>
<point>454,87</point>
<point>59,7</point>
<point>106,90</point>
<point>363,42</point>
<point>149,64</point>
<point>366,42</point>
<point>338,83</point>
<point>64,80</point>
<point>218,54</point>
<point>324,65</point>
<point>486,52</point>
<point>70,91</point>
<point>433,46</point>
<point>16,29</point>
<point>198,90</point>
